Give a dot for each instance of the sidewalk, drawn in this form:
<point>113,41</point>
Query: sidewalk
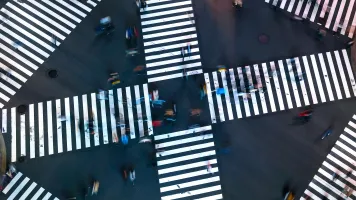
<point>2,155</point>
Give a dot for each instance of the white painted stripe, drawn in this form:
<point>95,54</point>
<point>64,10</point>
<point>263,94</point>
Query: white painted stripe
<point>4,121</point>
<point>181,133</point>
<point>349,71</point>
<point>242,86</point>
<point>306,10</point>
<point>68,124</point>
<point>184,141</point>
<point>130,112</point>
<point>122,112</point>
<point>7,89</point>
<point>172,76</point>
<point>283,4</point>
<point>91,3</point>
<point>333,74</point>
<point>339,14</point>
<point>186,158</point>
<point>339,163</point>
<point>347,130</point>
<point>40,130</point>
<point>32,130</point>
<point>261,92</point>
<point>45,27</point>
<point>174,68</point>
<point>187,175</point>
<point>24,32</point>
<point>4,97</point>
<point>86,119</point>
<point>323,8</point>
<point>13,73</point>
<point>329,186</point>
<point>210,98</point>
<point>139,111</point>
<point>168,5</point>
<point>158,1</point>
<point>23,134</point>
<point>55,15</point>
<point>72,8</point>
<point>12,183</point>
<point>331,14</point>
<point>9,80</point>
<point>169,33</point>
<point>347,16</point>
<point>310,80</point>
<point>86,8</point>
<point>218,97</point>
<point>293,81</point>
<point>47,196</point>
<point>59,126</point>
<point>185,149</point>
<point>315,11</point>
<point>190,184</point>
<point>15,64</point>
<point>317,77</point>
<point>342,155</point>
<point>302,82</point>
<point>13,135</point>
<point>215,197</point>
<point>353,125</point>
<point>169,47</point>
<point>38,193</point>
<point>285,84</point>
<point>186,167</point>
<point>326,77</point>
<point>321,191</point>
<point>49,127</point>
<point>342,74</point>
<point>299,6</point>
<point>234,90</point>
<point>192,193</point>
<point>18,189</point>
<point>227,95</point>
<point>332,168</point>
<point>171,39</point>
<point>63,11</point>
<point>170,54</point>
<point>344,147</point>
<point>269,88</point>
<point>22,59</point>
<point>311,195</point>
<point>291,4</point>
<point>28,191</point>
<point>168,19</point>
<point>104,124</point>
<point>253,94</point>
<point>78,143</point>
<point>172,61</point>
<point>95,117</point>
<point>337,181</point>
<point>168,26</point>
<point>148,109</point>
<point>276,83</point>
<point>112,117</point>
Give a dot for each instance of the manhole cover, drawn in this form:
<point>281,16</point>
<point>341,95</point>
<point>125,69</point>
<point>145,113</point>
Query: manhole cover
<point>21,109</point>
<point>263,38</point>
<point>52,73</point>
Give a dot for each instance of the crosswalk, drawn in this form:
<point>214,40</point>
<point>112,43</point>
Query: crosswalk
<point>62,125</point>
<point>182,160</point>
<point>337,172</point>
<point>337,16</point>
<point>280,85</point>
<point>167,26</point>
<point>22,188</point>
<point>30,32</point>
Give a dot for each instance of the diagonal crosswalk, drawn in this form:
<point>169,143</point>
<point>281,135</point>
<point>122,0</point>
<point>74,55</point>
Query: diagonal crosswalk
<point>337,16</point>
<point>279,85</point>
<point>182,160</point>
<point>337,176</point>
<point>22,188</point>
<point>30,31</point>
<point>167,27</point>
<point>78,122</point>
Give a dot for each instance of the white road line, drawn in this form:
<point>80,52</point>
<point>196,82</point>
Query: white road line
<point>315,11</point>
<point>112,117</point>
<point>22,59</point>
<point>12,182</point>
<point>177,75</point>
<point>317,77</point>
<point>72,8</point>
<point>4,121</point>
<point>28,191</point>
<point>299,6</point>
<point>4,97</point>
<point>190,184</point>
<point>158,14</point>
<point>23,134</point>
<point>285,84</point>
<point>347,17</point>
<point>242,86</point>
<point>210,98</point>
<point>234,90</point>
<point>168,5</point>
<point>68,124</point>
<point>47,196</point>
<point>167,26</point>
<point>139,111</point>
<point>184,141</point>
<point>86,120</point>
<point>306,10</point>
<point>321,191</point>
<point>186,175</point>
<point>253,94</point>
<point>130,112</point>
<point>293,81</point>
<point>81,5</point>
<point>95,117</point>
<point>177,52</point>
<point>18,189</point>
<point>148,109</point>
<point>171,39</point>
<point>49,127</point>
<point>63,11</point>
<point>269,88</point>
<point>40,130</point>
<point>167,19</point>
<point>302,82</point>
<point>174,68</point>
<point>186,158</point>
<point>169,47</point>
<point>181,133</point>
<point>104,124</point>
<point>326,77</point>
<point>342,155</point>
<point>310,80</point>
<point>261,92</point>
<point>168,33</point>
<point>13,73</point>
<point>342,74</point>
<point>323,8</point>
<point>172,61</point>
<point>9,80</point>
<point>91,3</point>
<point>59,126</point>
<point>38,194</point>
<point>329,186</point>
<point>333,74</point>
<point>192,193</point>
<point>15,64</point>
<point>218,97</point>
<point>122,112</point>
<point>291,4</point>
<point>32,130</point>
<point>186,167</point>
<point>339,14</point>
<point>13,135</point>
<point>277,86</point>
<point>78,143</point>
<point>216,197</point>
<point>283,4</point>
<point>185,149</point>
<point>349,71</point>
<point>331,13</point>
<point>227,95</point>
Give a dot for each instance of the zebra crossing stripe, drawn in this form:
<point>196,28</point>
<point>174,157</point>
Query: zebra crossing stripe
<point>78,143</point>
<point>4,121</point>
<point>331,14</point>
<point>339,14</point>
<point>210,98</point>
<point>244,95</point>
<point>68,125</point>
<point>94,111</point>
<point>253,95</point>
<point>130,112</point>
<point>190,184</point>
<point>40,129</point>
<point>234,90</point>
<point>342,74</point>
<point>293,83</point>
<point>38,194</point>
<point>276,83</point>
<point>139,110</point>
<point>122,113</point>
<point>186,158</point>
<point>148,109</point>
<point>59,126</point>
<point>32,130</point>
<point>218,98</point>
<point>12,183</point>
<point>13,135</point>
<point>228,100</point>
<point>49,127</point>
<point>326,77</point>
<point>192,192</point>
<point>23,135</point>
<point>112,116</point>
<point>47,196</point>
<point>28,191</point>
<point>334,77</point>
<point>185,167</point>
<point>86,118</point>
<point>302,82</point>
<point>349,70</point>
<point>18,189</point>
<point>103,120</point>
<point>347,17</point>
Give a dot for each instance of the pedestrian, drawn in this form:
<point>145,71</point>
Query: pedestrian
<point>157,103</point>
<point>189,51</point>
<point>143,5</point>
<point>169,113</point>
<point>139,70</point>
<point>62,118</point>
<point>54,40</point>
<point>17,44</point>
<point>350,44</point>
<point>202,91</point>
<point>237,3</point>
<point>157,123</point>
<point>195,112</point>
<point>209,168</point>
<point>182,53</point>
<point>138,3</point>
<point>321,33</point>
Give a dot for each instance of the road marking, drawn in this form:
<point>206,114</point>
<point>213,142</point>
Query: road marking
<point>227,95</point>
<point>234,91</point>
<point>342,74</point>
<point>13,135</point>
<point>4,121</point>
<point>112,116</point>
<point>86,120</point>
<point>334,77</point>
<point>301,82</point>
<point>293,81</point>
<point>310,80</point>
<point>218,97</point>
<point>122,112</point>
<point>130,112</point>
<point>148,109</point>
<point>32,131</point>
<point>50,127</point>
<point>104,124</point>
<point>78,143</point>
<point>95,119</point>
<point>18,189</point>
<point>28,191</point>
<point>68,125</point>
<point>59,126</point>
<point>139,111</point>
<point>253,94</point>
<point>349,70</point>
<point>244,94</point>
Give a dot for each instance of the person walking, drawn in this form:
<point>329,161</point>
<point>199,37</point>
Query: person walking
<point>182,53</point>
<point>195,112</point>
<point>237,3</point>
<point>157,123</point>
<point>158,103</point>
<point>189,51</point>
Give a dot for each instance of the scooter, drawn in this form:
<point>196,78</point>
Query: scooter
<point>327,132</point>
